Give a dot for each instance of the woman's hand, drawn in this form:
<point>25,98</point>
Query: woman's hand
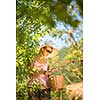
<point>52,70</point>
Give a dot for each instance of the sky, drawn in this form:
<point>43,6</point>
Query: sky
<point>59,43</point>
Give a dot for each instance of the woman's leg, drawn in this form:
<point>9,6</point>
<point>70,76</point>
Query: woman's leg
<point>45,94</point>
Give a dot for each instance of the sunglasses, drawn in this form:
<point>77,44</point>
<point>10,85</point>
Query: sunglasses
<point>50,51</point>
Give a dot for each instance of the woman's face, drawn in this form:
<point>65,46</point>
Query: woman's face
<point>47,50</point>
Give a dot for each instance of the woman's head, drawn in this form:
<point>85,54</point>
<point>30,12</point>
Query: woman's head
<point>48,51</point>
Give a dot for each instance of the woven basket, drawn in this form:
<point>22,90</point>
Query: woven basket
<point>57,82</point>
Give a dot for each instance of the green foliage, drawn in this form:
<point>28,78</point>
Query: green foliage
<point>24,55</point>
<point>34,19</point>
<point>70,65</point>
<point>34,15</point>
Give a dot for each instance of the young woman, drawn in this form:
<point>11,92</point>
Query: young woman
<point>41,77</point>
